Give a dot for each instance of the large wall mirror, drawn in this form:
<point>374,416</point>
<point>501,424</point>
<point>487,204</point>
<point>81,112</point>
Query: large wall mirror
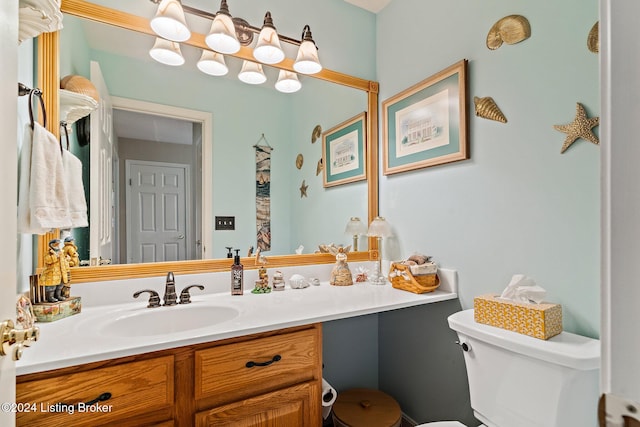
<point>223,119</point>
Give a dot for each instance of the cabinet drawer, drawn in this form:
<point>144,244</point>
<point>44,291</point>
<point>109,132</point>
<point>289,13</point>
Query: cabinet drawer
<point>235,371</point>
<point>136,388</point>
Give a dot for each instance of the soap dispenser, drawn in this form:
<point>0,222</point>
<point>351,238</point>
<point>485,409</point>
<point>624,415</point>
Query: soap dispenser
<point>229,253</point>
<point>237,275</point>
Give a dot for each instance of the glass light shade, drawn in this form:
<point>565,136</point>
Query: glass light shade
<point>166,52</point>
<point>379,227</point>
<point>355,227</point>
<point>252,73</point>
<point>268,49</point>
<point>307,61</point>
<point>288,82</point>
<point>169,21</point>
<point>222,36</point>
<point>212,63</point>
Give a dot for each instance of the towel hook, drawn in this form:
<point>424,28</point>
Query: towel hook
<point>63,125</point>
<point>24,90</point>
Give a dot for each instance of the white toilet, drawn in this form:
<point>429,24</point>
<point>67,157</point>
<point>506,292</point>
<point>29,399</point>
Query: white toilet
<point>519,381</point>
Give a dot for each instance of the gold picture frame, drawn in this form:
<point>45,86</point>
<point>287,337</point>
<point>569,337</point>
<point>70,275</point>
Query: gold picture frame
<point>426,124</point>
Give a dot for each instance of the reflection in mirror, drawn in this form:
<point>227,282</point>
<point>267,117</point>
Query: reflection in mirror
<point>240,114</point>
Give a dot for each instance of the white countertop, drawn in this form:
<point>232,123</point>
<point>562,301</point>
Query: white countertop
<point>77,339</point>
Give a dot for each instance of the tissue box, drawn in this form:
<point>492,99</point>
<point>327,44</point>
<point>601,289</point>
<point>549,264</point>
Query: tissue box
<point>541,321</point>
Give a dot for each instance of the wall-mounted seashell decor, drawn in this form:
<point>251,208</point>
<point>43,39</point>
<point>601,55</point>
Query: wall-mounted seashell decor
<point>511,29</point>
<point>593,42</point>
<point>488,109</point>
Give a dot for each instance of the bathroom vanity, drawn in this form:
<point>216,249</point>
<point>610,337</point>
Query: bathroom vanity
<point>260,360</point>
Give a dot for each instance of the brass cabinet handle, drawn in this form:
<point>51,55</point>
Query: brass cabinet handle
<point>251,364</point>
<point>20,337</point>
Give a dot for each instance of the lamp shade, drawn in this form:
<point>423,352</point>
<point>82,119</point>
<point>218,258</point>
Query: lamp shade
<point>307,61</point>
<point>169,21</point>
<point>252,73</point>
<point>288,82</point>
<point>212,63</point>
<point>355,227</point>
<point>166,52</point>
<point>222,36</point>
<point>379,227</point>
<point>268,49</point>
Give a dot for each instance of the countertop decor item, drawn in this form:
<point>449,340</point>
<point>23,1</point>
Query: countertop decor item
<point>426,124</point>
<point>511,29</point>
<point>488,109</point>
<point>593,40</point>
<point>344,152</point>
<point>340,275</point>
<point>355,228</point>
<point>579,128</point>
<point>379,228</point>
<point>412,277</point>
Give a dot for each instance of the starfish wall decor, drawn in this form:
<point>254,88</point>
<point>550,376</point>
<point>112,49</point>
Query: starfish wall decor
<point>579,128</point>
<point>303,189</point>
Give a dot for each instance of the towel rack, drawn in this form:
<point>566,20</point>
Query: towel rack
<point>24,90</point>
<point>63,125</point>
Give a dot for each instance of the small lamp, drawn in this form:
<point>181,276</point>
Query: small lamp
<point>288,82</point>
<point>307,61</point>
<point>169,21</point>
<point>355,228</point>
<point>212,63</point>
<point>252,73</point>
<point>268,49</point>
<point>222,37</point>
<point>167,52</point>
<point>379,228</point>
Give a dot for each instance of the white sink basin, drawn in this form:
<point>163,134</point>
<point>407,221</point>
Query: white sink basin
<point>166,320</point>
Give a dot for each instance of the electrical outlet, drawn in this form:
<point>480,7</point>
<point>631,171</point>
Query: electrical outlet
<point>225,223</point>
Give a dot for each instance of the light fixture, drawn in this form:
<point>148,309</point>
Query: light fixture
<point>169,21</point>
<point>212,63</point>
<point>166,52</point>
<point>355,228</point>
<point>222,36</point>
<point>288,82</point>
<point>379,228</point>
<point>307,61</point>
<point>252,73</point>
<point>268,49</point>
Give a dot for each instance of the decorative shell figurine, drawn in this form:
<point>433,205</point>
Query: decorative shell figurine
<point>79,84</point>
<point>593,42</point>
<point>488,109</point>
<point>340,275</point>
<point>511,29</point>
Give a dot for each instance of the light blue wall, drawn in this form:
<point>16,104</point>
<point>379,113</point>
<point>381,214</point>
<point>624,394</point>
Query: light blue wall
<point>518,205</point>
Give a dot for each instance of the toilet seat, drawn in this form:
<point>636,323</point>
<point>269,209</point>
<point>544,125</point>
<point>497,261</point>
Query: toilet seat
<point>442,424</point>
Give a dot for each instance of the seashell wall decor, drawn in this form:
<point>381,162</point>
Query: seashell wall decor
<point>593,40</point>
<point>511,29</point>
<point>488,109</point>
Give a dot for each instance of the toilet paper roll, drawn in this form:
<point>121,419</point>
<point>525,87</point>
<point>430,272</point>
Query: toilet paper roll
<point>329,396</point>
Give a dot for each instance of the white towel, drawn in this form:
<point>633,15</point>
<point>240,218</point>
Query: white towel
<point>75,190</point>
<point>48,204</point>
<point>24,187</point>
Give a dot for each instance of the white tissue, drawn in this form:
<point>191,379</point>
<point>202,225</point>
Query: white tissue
<point>329,396</point>
<point>523,289</point>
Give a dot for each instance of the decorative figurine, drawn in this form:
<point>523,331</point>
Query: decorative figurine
<point>278,281</point>
<point>55,274</point>
<point>340,275</point>
<point>70,250</point>
<point>262,284</point>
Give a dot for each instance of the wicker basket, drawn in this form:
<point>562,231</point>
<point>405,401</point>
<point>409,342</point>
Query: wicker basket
<point>401,277</point>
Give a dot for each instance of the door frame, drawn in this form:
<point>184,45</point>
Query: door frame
<point>188,231</point>
<point>205,119</point>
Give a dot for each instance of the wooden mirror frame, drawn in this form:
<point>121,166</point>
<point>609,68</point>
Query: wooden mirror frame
<point>48,78</point>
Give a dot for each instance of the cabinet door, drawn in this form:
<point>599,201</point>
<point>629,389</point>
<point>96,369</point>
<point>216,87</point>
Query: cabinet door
<point>295,406</point>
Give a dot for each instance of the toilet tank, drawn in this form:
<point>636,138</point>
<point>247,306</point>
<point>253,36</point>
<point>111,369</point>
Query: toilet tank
<point>517,380</point>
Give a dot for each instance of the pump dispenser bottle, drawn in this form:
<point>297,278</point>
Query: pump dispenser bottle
<point>237,275</point>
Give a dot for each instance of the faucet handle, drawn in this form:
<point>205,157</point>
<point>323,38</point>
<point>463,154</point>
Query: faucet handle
<point>185,297</point>
<point>154,298</point>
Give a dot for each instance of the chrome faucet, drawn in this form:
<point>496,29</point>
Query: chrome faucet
<point>170,296</point>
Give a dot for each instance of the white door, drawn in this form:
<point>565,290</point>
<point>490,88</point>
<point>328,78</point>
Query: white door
<point>620,91</point>
<point>8,190</point>
<point>157,211</point>
<point>101,209</point>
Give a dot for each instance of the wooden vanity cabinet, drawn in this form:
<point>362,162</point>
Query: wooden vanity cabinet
<point>272,378</point>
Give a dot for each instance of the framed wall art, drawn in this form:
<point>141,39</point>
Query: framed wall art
<point>426,124</point>
<point>344,152</point>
